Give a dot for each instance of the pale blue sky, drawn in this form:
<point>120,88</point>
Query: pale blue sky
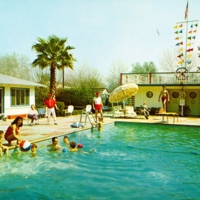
<point>102,31</point>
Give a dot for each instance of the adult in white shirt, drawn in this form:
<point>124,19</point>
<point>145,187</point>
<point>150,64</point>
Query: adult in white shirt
<point>32,114</point>
<point>98,105</point>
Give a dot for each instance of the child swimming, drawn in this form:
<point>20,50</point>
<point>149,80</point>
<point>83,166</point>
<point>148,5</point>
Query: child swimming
<point>2,147</point>
<point>73,146</point>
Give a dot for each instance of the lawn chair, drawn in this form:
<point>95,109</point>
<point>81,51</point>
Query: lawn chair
<point>69,110</point>
<point>87,113</point>
<point>36,121</point>
<point>41,113</point>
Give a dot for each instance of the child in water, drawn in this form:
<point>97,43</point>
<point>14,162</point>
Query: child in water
<point>100,124</point>
<point>34,148</point>
<point>73,146</point>
<point>2,147</point>
<point>66,139</point>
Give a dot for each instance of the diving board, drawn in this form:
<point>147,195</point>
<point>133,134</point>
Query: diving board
<point>168,114</point>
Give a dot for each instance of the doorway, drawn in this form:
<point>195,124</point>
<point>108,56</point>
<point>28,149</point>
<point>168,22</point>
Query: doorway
<point>1,100</point>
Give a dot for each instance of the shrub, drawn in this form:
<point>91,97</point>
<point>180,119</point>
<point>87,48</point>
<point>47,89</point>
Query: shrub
<point>61,111</point>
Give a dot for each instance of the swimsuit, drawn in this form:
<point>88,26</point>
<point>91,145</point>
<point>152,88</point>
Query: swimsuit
<point>9,132</point>
<point>97,103</point>
<point>164,99</point>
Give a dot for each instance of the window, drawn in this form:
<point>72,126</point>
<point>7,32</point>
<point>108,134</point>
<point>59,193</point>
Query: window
<point>19,96</point>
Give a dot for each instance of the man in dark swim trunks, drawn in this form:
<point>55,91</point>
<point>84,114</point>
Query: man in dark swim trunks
<point>165,97</point>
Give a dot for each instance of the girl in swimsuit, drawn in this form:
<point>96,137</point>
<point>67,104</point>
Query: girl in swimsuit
<point>13,133</point>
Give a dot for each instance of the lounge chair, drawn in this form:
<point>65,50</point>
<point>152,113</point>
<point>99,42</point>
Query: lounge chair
<point>130,112</point>
<point>117,112</point>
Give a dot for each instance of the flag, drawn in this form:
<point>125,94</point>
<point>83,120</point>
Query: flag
<point>186,11</point>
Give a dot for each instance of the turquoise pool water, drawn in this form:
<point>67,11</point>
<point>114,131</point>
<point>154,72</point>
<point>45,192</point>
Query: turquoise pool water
<point>124,161</point>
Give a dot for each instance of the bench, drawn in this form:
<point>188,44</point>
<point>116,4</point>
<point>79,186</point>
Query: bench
<point>167,114</point>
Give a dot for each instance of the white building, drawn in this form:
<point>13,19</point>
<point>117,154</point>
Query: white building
<point>16,95</point>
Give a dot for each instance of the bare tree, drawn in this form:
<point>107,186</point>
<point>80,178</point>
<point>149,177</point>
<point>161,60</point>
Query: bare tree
<point>169,61</point>
<point>113,78</point>
<point>16,65</point>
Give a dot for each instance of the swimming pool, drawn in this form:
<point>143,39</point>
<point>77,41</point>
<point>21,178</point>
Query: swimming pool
<point>124,161</point>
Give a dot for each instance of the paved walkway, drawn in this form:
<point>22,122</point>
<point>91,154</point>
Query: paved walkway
<point>43,131</point>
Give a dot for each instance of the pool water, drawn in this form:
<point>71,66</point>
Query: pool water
<point>124,161</point>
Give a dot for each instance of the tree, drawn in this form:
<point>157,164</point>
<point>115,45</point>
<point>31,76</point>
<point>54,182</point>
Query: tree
<point>169,61</point>
<point>145,68</point>
<point>53,53</point>
<point>198,68</point>
<point>16,65</point>
<point>41,76</point>
<point>81,85</point>
<point>113,78</point>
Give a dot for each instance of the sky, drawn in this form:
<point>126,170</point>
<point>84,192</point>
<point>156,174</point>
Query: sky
<point>103,32</point>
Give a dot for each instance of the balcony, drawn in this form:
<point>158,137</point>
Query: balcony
<point>161,78</point>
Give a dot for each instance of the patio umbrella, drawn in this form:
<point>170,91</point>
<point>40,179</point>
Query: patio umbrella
<point>123,92</point>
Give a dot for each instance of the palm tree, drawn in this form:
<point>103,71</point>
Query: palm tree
<point>53,53</point>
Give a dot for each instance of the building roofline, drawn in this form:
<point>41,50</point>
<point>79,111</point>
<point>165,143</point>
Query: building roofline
<point>10,80</point>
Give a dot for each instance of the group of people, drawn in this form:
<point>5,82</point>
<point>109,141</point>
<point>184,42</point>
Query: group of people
<point>50,105</point>
<point>98,104</point>
<point>54,146</point>
<point>13,133</point>
<point>164,97</point>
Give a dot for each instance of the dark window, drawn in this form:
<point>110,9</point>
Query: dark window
<point>19,96</point>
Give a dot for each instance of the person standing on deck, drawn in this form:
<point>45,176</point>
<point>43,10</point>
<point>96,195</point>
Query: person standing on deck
<point>164,95</point>
<point>50,103</point>
<point>98,105</point>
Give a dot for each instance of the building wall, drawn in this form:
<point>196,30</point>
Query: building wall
<point>173,106</point>
<point>14,110</point>
<point>191,101</point>
<point>141,96</point>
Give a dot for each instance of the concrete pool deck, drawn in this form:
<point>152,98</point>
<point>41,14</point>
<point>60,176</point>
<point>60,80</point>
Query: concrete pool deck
<point>42,131</point>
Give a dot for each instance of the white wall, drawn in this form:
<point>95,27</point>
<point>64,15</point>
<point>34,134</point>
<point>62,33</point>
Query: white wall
<point>8,110</point>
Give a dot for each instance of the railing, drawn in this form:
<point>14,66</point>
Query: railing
<point>161,78</point>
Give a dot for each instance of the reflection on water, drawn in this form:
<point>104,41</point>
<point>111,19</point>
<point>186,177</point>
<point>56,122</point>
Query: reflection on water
<point>125,161</point>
